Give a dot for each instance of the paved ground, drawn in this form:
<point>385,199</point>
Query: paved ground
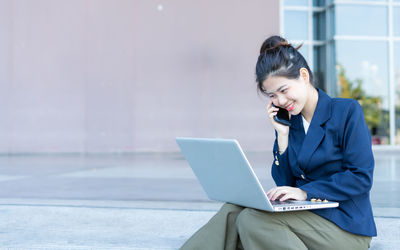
<point>138,201</point>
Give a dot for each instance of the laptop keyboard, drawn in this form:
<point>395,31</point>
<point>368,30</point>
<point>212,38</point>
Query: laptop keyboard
<point>290,202</point>
<point>282,202</point>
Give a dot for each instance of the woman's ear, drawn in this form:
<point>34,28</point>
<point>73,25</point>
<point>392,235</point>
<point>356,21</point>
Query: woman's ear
<point>305,75</point>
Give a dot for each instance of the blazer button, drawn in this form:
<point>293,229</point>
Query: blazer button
<point>302,176</point>
<point>276,160</point>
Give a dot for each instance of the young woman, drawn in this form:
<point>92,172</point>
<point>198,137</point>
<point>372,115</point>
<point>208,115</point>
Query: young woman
<point>324,154</point>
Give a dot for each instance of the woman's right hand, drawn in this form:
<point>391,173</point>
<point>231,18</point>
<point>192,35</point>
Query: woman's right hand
<point>281,129</point>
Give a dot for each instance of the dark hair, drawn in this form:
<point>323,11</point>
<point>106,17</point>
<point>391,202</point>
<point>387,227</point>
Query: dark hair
<point>279,58</point>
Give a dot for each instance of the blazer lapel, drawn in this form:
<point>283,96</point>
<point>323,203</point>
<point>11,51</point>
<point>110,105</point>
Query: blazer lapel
<point>296,138</point>
<point>316,131</point>
<point>297,135</point>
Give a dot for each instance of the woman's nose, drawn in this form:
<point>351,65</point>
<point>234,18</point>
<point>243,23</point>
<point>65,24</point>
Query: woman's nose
<point>281,101</point>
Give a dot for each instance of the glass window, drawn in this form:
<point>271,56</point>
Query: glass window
<point>319,25</point>
<point>304,51</point>
<point>319,3</point>
<point>396,21</point>
<point>331,74</point>
<point>362,74</point>
<point>331,22</point>
<point>397,62</point>
<point>296,25</point>
<point>379,1</point>
<point>319,67</point>
<point>296,2</point>
<point>352,20</point>
<point>397,84</point>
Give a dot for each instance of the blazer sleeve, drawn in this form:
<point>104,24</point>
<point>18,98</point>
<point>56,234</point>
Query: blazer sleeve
<point>280,170</point>
<point>358,163</point>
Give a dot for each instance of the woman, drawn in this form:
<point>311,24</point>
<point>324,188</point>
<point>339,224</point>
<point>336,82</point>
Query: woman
<point>324,154</point>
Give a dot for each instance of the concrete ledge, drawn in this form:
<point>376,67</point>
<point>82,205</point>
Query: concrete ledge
<point>74,224</point>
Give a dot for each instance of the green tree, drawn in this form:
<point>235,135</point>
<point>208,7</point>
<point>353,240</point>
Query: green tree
<point>372,106</point>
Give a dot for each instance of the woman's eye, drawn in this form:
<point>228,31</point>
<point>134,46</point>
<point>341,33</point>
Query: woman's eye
<point>271,96</point>
<point>283,90</point>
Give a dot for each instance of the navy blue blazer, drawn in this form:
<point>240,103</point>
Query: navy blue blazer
<point>334,161</point>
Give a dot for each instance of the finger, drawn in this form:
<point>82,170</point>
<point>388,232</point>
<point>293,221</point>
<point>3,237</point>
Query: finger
<point>276,188</point>
<point>272,193</point>
<point>272,114</point>
<point>269,104</point>
<point>272,110</point>
<point>282,191</point>
<point>288,196</point>
<point>278,193</point>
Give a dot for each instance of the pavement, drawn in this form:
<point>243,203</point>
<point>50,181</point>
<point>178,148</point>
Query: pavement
<point>137,201</point>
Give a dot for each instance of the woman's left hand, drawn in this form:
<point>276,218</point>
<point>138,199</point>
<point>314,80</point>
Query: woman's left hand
<point>285,193</point>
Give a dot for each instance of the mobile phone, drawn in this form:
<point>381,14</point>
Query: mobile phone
<point>282,116</point>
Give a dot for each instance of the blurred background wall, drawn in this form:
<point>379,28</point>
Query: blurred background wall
<point>131,75</point>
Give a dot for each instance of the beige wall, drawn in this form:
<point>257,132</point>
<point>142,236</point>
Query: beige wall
<point>121,75</point>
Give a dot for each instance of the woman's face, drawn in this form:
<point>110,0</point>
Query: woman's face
<point>290,94</point>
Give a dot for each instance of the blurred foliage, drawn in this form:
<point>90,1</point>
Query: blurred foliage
<point>372,106</point>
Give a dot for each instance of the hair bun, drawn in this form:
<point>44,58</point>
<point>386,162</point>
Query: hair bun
<point>279,58</point>
<point>274,42</point>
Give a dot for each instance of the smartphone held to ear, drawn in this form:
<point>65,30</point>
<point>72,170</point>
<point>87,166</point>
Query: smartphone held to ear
<point>282,116</point>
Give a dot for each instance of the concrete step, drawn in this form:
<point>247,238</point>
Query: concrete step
<point>74,224</point>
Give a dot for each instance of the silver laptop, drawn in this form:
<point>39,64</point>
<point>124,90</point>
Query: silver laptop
<point>226,175</point>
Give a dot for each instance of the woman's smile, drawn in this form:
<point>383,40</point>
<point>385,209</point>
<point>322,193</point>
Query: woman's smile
<point>290,107</point>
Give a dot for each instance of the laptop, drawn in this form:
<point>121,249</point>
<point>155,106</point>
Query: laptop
<point>226,175</point>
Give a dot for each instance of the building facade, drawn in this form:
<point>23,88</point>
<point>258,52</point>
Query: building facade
<point>354,49</point>
<point>94,76</point>
<point>130,75</point>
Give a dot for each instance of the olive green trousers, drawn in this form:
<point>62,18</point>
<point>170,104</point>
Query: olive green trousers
<point>235,227</point>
